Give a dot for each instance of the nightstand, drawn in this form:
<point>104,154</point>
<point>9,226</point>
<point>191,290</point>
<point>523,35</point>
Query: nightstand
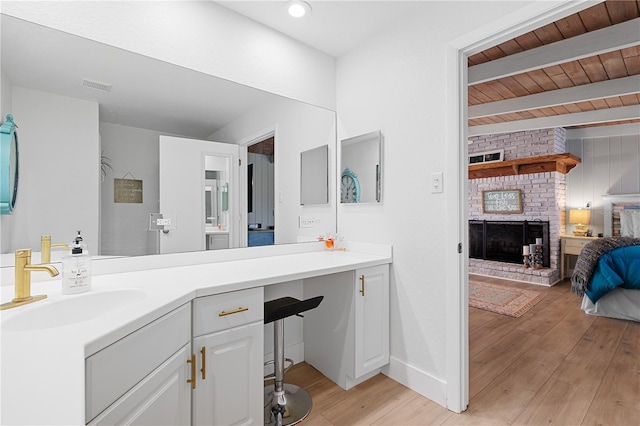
<point>571,245</point>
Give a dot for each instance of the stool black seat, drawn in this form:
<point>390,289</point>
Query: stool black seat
<point>285,404</point>
<point>287,306</point>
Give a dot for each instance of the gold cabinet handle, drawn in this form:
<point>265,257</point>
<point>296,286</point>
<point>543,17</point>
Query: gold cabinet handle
<point>203,370</point>
<point>362,285</point>
<point>192,380</point>
<point>235,311</point>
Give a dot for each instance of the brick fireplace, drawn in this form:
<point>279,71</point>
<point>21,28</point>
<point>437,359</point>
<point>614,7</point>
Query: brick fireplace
<point>543,199</point>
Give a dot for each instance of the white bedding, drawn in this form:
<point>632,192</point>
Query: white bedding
<point>619,303</point>
<point>630,223</point>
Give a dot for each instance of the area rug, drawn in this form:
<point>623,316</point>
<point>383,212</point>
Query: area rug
<point>503,300</point>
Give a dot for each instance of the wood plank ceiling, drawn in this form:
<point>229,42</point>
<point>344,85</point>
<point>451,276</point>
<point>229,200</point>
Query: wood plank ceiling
<point>608,79</point>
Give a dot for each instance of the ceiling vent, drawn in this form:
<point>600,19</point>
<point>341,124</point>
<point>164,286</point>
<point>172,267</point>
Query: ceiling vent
<point>96,85</point>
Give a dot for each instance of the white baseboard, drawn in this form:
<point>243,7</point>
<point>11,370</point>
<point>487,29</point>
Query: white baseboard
<point>417,380</point>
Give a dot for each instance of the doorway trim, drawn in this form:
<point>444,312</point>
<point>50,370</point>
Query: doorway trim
<point>530,17</point>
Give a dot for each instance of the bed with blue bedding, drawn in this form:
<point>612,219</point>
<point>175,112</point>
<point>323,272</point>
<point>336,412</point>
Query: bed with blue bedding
<point>618,268</point>
<point>607,273</point>
<point>605,268</point>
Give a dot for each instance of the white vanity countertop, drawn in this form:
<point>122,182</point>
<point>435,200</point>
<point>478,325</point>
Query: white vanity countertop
<point>43,370</point>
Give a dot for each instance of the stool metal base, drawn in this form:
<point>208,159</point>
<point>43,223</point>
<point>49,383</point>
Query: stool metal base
<point>297,405</point>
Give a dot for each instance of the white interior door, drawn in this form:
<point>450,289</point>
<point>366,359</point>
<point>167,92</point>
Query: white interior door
<point>182,192</point>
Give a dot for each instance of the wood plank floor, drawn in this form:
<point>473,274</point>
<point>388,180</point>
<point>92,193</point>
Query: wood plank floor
<point>553,365</point>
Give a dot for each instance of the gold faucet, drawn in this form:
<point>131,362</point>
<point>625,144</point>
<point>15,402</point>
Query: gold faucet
<point>46,246</point>
<point>23,279</point>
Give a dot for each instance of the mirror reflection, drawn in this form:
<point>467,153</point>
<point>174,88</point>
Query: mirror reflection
<point>216,201</point>
<point>91,113</point>
<point>314,176</point>
<point>361,168</point>
<point>261,192</point>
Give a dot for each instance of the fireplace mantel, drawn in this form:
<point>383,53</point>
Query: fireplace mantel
<point>561,163</point>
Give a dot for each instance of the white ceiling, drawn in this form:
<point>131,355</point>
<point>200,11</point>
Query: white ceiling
<point>334,27</point>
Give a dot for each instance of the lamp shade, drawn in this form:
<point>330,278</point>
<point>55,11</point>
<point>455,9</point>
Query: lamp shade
<point>579,216</point>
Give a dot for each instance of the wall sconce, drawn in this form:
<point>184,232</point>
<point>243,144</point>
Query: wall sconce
<point>579,218</point>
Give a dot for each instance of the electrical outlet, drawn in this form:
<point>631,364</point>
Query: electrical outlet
<point>306,221</point>
<point>436,182</point>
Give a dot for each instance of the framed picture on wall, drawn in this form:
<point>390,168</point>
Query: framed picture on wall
<point>503,201</point>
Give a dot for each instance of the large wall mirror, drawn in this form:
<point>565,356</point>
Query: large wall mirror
<point>90,113</point>
<point>361,169</point>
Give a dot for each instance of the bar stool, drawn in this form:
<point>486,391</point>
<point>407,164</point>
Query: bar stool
<point>284,403</point>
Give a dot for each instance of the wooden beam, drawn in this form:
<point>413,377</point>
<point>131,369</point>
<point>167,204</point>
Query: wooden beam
<point>600,131</point>
<point>587,92</point>
<point>630,112</point>
<point>607,39</point>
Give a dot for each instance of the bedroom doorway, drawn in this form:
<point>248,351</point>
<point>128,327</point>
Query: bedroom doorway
<point>261,192</point>
<point>516,24</point>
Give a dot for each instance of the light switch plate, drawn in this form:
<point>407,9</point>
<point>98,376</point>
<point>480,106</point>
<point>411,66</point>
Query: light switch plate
<point>436,183</point>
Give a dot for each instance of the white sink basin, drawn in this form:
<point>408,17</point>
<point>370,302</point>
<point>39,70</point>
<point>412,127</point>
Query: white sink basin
<point>72,309</point>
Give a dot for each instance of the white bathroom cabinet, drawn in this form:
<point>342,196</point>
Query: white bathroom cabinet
<point>131,380</point>
<point>128,363</point>
<point>347,337</point>
<point>371,319</point>
<point>228,343</point>
<point>162,398</point>
<point>217,241</point>
<point>231,392</point>
<point>215,377</point>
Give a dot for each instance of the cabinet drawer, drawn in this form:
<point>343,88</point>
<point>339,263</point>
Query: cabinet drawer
<point>573,246</point>
<point>114,370</point>
<point>226,310</point>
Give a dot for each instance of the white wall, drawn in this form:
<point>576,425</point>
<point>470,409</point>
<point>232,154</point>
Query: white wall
<point>58,190</point>
<point>298,127</point>
<point>200,35</point>
<point>133,154</point>
<point>610,165</point>
<point>5,95</point>
<point>397,82</point>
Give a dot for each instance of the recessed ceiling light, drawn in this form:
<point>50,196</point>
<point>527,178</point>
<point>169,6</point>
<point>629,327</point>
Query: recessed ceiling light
<point>298,9</point>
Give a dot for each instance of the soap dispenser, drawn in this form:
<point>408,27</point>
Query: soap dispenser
<point>76,268</point>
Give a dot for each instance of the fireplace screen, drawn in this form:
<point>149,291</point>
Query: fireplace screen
<point>502,241</point>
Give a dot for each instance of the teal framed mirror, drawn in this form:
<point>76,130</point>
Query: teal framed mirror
<point>8,165</point>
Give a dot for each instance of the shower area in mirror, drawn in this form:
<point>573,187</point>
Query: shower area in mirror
<point>261,193</point>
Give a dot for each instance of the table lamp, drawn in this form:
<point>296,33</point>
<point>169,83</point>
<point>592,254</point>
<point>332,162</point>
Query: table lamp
<point>579,218</point>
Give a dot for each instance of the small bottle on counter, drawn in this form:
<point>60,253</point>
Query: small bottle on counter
<point>76,268</point>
